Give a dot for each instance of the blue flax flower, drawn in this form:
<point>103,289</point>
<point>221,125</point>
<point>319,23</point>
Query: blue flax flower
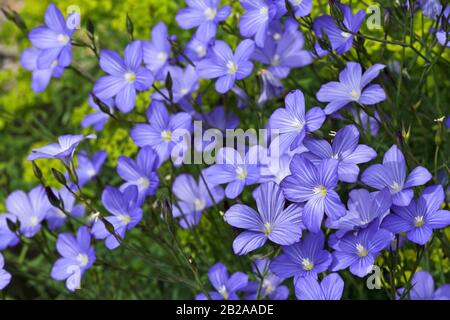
<point>98,119</point>
<point>306,258</point>
<point>184,82</point>
<point>55,217</point>
<point>140,172</point>
<point>8,238</point>
<point>126,214</point>
<point>392,174</point>
<point>359,250</point>
<point>341,41</point>
<point>124,76</point>
<point>156,52</point>
<point>88,168</point>
<point>420,217</point>
<point>353,86</point>
<point>330,288</point>
<point>293,122</point>
<point>165,131</point>
<point>194,198</point>
<point>203,14</point>
<point>315,186</point>
<point>227,67</point>
<point>302,8</point>
<point>232,169</point>
<point>77,256</point>
<point>345,149</point>
<point>5,276</point>
<point>225,285</point>
<point>423,288</point>
<point>272,221</point>
<point>30,209</point>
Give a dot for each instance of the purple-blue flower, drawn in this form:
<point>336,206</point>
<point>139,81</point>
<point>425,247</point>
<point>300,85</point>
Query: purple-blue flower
<point>197,48</point>
<point>126,214</point>
<point>359,250</point>
<point>53,40</point>
<point>227,67</point>
<point>41,76</point>
<point>345,149</point>
<point>315,186</point>
<point>88,168</point>
<point>5,276</point>
<point>156,52</point>
<point>30,209</point>
<point>272,221</point>
<point>255,21</point>
<point>225,285</point>
<point>353,86</point>
<point>194,198</point>
<point>8,238</point>
<point>293,122</point>
<point>363,208</point>
<point>340,40</point>
<point>63,150</point>
<point>284,51</point>
<point>330,288</point>
<point>140,172</point>
<point>420,217</point>
<point>271,87</point>
<point>56,217</point>
<point>98,119</point>
<point>204,14</point>
<point>302,8</point>
<point>423,288</point>
<point>124,76</point>
<point>184,82</point>
<point>77,256</point>
<point>165,131</point>
<point>269,284</point>
<point>306,258</point>
<point>392,174</point>
<point>232,169</point>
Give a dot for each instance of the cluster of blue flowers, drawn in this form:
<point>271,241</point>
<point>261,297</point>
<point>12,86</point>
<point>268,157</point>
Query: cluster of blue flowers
<point>298,189</point>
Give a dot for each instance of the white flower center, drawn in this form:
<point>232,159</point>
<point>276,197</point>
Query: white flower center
<point>276,36</point>
<point>232,67</point>
<point>264,11</point>
<point>166,135</point>
<point>200,50</point>
<point>83,259</point>
<point>419,221</point>
<point>130,76</point>
<point>320,190</point>
<point>91,172</point>
<point>346,35</point>
<point>335,156</point>
<point>143,183</point>
<point>268,286</point>
<point>184,91</point>
<point>210,13</point>
<point>124,219</point>
<point>299,124</point>
<point>361,251</point>
<point>54,64</point>
<point>396,187</point>
<point>241,173</point>
<point>162,56</point>
<point>34,221</point>
<point>276,59</point>
<point>64,39</point>
<point>223,292</point>
<point>199,204</point>
<point>355,94</point>
<point>307,264</point>
<point>267,229</point>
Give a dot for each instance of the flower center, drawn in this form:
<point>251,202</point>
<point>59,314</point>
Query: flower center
<point>298,2</point>
<point>166,135</point>
<point>361,251</point>
<point>184,91</point>
<point>143,183</point>
<point>223,292</point>
<point>34,221</point>
<point>355,94</point>
<point>307,264</point>
<point>130,76</point>
<point>82,259</point>
<point>162,56</point>
<point>276,59</point>
<point>264,11</point>
<point>199,204</point>
<point>64,39</point>
<point>267,229</point>
<point>210,13</point>
<point>54,64</point>
<point>201,50</point>
<point>297,123</point>
<point>419,221</point>
<point>268,286</point>
<point>276,36</point>
<point>346,35</point>
<point>320,190</point>
<point>232,67</point>
<point>124,219</point>
<point>396,187</point>
<point>241,173</point>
